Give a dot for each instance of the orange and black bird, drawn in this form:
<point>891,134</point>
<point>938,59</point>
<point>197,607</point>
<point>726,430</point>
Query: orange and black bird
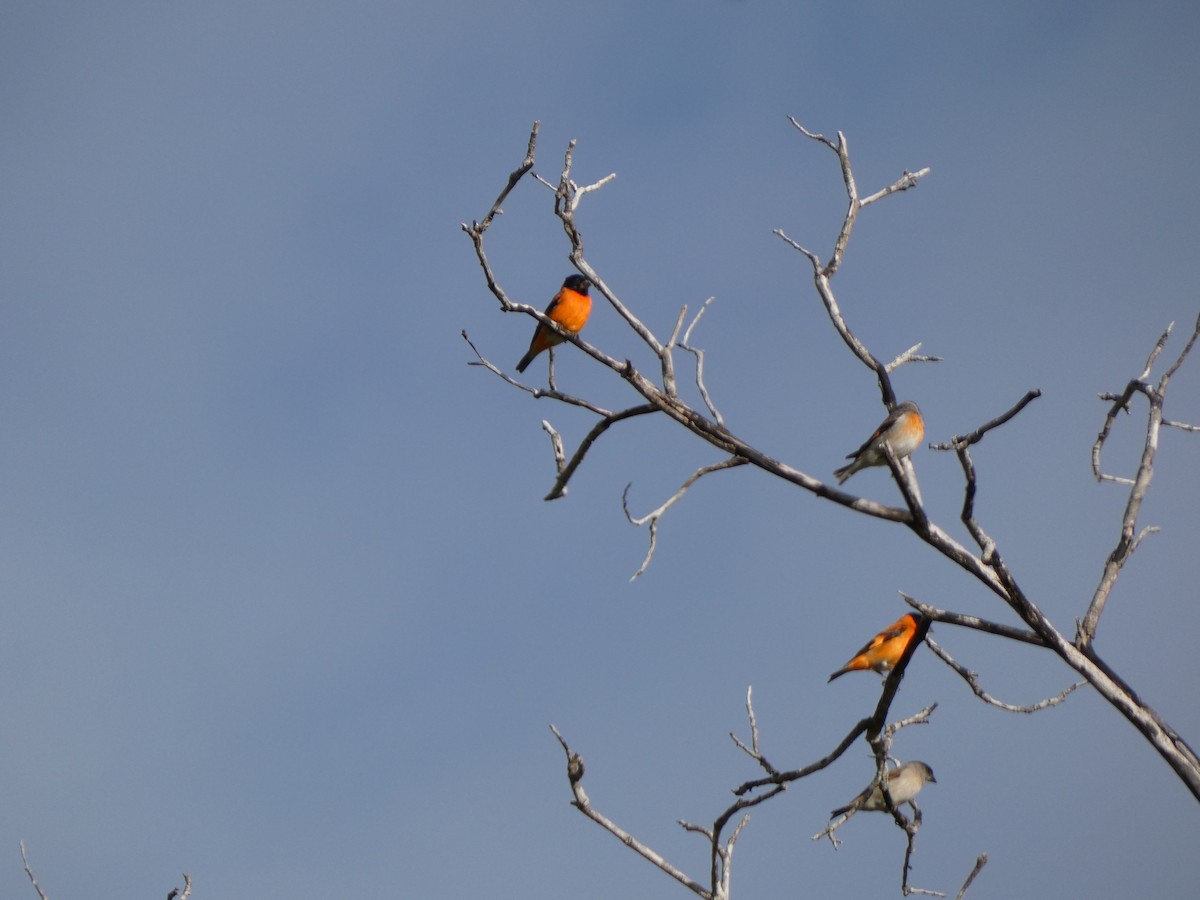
<point>884,650</point>
<point>902,430</point>
<point>570,308</point>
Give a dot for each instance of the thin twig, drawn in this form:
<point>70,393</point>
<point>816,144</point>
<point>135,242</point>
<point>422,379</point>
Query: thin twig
<point>584,805</point>
<point>976,436</point>
<point>556,445</point>
<point>980,862</point>
<point>841,148</point>
<point>536,393</point>
<point>903,183</point>
<point>653,516</point>
<point>961,445</point>
<point>1170,423</point>
<point>566,471</point>
<point>910,355</point>
<point>972,679</point>
<point>910,829</point>
<point>753,751</point>
<point>477,229</point>
<point>686,344</point>
<point>1128,542</point>
<point>29,871</point>
<point>177,894</point>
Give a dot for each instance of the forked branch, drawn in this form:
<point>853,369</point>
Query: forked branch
<point>1129,541</point>
<point>653,516</point>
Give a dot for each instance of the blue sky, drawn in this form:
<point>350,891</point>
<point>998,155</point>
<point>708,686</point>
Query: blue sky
<point>283,606</point>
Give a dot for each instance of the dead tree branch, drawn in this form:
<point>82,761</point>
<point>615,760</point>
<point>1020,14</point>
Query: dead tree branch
<point>29,871</point>
<point>566,471</point>
<point>979,864</point>
<point>177,894</point>
<point>1127,543</point>
<point>686,344</point>
<point>910,355</point>
<point>581,802</point>
<point>974,622</point>
<point>653,516</point>
<point>972,680</point>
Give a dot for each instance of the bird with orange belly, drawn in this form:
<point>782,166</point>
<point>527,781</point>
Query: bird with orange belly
<point>570,308</point>
<point>902,431</point>
<point>884,650</point>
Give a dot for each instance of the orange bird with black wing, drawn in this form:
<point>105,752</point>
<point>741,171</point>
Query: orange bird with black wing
<point>884,650</point>
<point>570,308</point>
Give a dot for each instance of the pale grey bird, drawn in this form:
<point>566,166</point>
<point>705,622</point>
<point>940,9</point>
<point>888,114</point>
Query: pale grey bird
<point>904,783</point>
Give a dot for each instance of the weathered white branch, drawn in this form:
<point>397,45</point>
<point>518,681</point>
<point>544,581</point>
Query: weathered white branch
<point>177,894</point>
<point>686,344</point>
<point>653,516</point>
<point>566,471</point>
<point>910,355</point>
<point>979,864</point>
<point>29,871</point>
<point>536,393</point>
<point>972,680</point>
<point>584,805</point>
<point>1127,543</point>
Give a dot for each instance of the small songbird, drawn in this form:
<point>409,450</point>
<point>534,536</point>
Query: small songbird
<point>902,430</point>
<point>904,783</point>
<point>883,651</point>
<point>570,308</point>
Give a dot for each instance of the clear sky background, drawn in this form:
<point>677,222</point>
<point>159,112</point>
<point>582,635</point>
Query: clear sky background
<point>282,604</point>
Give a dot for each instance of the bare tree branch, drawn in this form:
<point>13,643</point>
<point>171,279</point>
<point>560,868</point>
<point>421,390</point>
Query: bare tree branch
<point>974,622</point>
<point>840,147</point>
<point>1127,543</point>
<point>1169,423</point>
<point>972,679</point>
<point>910,831</point>
<point>29,871</point>
<point>686,344</point>
<point>910,355</point>
<point>753,750</point>
<point>653,516</point>
<point>556,447</point>
<point>177,894</point>
<point>536,393</point>
<point>857,347</point>
<point>583,804</point>
<point>976,436</point>
<point>476,230</point>
<point>979,864</point>
<point>566,471</point>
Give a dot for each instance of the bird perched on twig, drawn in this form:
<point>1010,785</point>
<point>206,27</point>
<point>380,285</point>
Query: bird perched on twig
<point>903,431</point>
<point>882,652</point>
<point>904,783</point>
<point>570,308</point>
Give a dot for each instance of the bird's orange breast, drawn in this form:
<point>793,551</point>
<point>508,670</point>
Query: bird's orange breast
<point>572,310</point>
<point>910,428</point>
